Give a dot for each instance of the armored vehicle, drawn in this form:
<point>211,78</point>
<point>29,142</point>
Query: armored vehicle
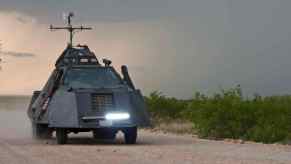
<point>83,95</point>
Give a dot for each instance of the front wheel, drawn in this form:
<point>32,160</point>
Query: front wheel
<point>130,135</point>
<point>62,136</point>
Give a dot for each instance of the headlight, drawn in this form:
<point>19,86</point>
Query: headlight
<point>117,116</point>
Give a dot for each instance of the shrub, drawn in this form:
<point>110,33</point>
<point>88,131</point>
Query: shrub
<point>228,115</point>
<point>163,107</point>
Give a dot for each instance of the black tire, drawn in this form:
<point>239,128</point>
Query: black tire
<point>41,131</point>
<point>61,135</point>
<point>104,134</point>
<point>130,135</point>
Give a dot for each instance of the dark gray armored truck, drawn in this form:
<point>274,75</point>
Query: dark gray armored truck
<point>82,95</point>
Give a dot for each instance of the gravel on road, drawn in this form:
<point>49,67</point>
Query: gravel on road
<point>152,148</point>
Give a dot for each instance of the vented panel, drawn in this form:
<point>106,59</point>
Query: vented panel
<point>102,102</point>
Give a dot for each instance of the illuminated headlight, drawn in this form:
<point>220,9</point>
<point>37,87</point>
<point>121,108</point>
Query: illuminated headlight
<point>117,116</point>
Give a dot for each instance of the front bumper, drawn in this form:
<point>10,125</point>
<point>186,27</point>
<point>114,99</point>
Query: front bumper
<point>101,122</point>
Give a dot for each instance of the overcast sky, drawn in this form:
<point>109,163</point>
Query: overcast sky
<point>175,46</point>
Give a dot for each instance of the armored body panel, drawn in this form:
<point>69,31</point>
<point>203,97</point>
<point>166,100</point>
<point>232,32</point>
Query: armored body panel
<point>83,95</point>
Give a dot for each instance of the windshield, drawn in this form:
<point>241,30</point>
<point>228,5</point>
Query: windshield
<point>91,78</point>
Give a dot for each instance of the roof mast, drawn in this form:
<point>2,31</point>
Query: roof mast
<point>70,28</point>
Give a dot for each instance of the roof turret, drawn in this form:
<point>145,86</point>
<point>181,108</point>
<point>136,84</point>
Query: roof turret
<point>79,55</point>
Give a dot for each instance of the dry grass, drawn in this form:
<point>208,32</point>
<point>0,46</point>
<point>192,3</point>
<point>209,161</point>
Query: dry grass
<point>174,126</point>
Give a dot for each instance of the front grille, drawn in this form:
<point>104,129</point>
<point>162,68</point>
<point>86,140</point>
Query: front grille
<point>101,103</point>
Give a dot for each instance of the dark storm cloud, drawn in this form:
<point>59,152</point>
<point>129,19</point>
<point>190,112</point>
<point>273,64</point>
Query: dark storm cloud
<point>23,19</point>
<point>102,10</point>
<point>17,54</point>
<point>208,43</point>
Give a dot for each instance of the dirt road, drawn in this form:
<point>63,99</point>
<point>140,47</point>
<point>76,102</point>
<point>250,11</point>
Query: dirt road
<point>151,148</point>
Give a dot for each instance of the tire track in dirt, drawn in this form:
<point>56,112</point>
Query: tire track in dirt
<point>151,148</point>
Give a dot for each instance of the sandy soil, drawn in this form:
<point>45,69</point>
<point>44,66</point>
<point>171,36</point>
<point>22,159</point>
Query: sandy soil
<point>152,147</point>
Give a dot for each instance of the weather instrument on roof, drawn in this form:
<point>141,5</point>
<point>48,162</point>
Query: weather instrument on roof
<point>72,29</point>
<point>82,95</point>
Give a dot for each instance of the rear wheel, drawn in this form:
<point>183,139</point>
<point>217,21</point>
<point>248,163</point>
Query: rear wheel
<point>61,135</point>
<point>41,131</point>
<point>130,135</point>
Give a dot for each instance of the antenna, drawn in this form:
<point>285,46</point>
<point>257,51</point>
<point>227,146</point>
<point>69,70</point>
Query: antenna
<point>70,28</point>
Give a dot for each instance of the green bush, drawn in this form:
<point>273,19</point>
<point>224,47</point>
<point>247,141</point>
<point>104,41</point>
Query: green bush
<point>273,119</point>
<point>163,107</point>
<point>228,115</point>
<point>222,116</point>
